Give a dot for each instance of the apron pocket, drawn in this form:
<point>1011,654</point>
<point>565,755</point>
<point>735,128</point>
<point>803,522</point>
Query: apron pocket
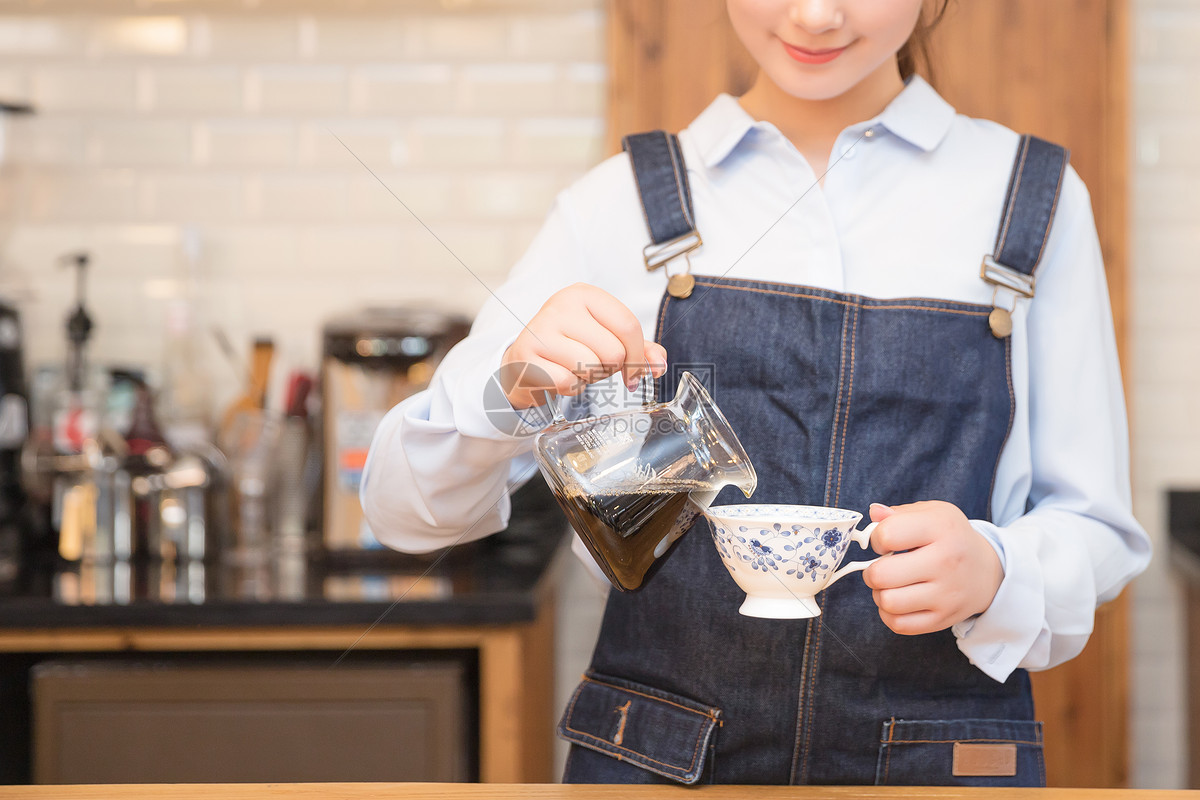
<point>961,752</point>
<point>658,731</point>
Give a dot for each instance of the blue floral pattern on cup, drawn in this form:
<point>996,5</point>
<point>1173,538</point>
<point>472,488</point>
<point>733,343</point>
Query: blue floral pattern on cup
<point>807,544</point>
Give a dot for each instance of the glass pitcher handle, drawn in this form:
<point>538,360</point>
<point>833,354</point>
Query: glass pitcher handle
<point>556,414</point>
<point>647,389</point>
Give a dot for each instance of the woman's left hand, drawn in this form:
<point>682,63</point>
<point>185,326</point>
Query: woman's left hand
<point>938,570</point>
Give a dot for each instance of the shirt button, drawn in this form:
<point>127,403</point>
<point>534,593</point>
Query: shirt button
<point>869,133</point>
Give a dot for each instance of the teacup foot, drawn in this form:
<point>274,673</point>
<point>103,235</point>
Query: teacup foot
<point>780,607</point>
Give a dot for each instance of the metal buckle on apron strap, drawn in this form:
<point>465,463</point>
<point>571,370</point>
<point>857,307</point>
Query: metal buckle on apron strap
<point>1009,282</point>
<point>655,255</point>
<point>1029,206</point>
<point>998,274</point>
<point>680,284</point>
<point>661,178</point>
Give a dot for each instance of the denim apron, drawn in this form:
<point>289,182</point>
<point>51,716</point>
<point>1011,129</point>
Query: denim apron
<point>839,400</point>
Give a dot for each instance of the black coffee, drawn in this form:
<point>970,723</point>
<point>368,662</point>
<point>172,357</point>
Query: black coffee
<point>631,533</point>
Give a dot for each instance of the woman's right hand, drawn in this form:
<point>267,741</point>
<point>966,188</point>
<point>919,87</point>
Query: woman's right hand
<point>581,335</point>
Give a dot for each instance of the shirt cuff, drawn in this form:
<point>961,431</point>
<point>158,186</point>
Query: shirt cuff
<point>1000,638</point>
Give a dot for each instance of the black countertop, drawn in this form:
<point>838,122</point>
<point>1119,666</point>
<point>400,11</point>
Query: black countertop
<point>492,581</point>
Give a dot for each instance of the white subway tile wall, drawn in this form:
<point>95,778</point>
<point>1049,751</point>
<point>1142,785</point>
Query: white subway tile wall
<point>248,125</point>
<point>1163,373</point>
<point>225,117</point>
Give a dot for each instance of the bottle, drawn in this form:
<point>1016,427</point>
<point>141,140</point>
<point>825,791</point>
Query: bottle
<point>185,402</point>
<point>148,456</point>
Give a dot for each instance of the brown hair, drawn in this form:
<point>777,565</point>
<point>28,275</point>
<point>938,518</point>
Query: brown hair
<point>914,55</point>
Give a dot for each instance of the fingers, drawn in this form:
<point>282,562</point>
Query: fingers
<point>898,569</point>
<point>596,351</point>
<point>906,599</point>
<point>879,512</point>
<point>937,571</point>
<point>914,624</point>
<point>618,320</point>
<point>581,335</point>
<point>656,357</point>
<point>907,527</point>
<point>913,609</point>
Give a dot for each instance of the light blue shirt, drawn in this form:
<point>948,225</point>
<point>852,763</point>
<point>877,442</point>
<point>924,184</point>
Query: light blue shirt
<point>908,210</point>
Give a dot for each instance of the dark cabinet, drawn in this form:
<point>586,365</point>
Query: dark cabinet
<point>133,720</point>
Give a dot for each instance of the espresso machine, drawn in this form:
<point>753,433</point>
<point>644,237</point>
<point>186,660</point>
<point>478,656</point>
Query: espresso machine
<point>373,359</point>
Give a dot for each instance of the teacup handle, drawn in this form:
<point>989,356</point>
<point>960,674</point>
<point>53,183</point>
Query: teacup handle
<point>863,539</point>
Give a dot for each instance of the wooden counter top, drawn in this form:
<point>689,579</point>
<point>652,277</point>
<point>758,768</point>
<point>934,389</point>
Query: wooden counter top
<point>447,791</point>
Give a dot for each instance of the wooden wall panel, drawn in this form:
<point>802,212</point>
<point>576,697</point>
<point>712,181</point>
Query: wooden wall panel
<point>1058,70</point>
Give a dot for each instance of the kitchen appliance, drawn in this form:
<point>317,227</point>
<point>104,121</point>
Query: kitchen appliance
<point>14,410</point>
<point>372,360</point>
<point>14,429</point>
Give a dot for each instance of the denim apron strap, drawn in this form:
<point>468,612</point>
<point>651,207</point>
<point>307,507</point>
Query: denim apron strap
<point>1033,190</point>
<point>666,198</point>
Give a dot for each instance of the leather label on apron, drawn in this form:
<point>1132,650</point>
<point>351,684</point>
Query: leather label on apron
<point>984,760</point>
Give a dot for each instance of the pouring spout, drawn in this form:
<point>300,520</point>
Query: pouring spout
<point>746,478</point>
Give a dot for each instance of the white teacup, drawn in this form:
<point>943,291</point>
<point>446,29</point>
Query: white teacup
<point>783,555</point>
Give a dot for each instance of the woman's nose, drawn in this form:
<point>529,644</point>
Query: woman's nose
<point>816,16</point>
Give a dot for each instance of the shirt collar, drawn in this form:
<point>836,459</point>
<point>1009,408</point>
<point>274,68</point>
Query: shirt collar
<point>918,115</point>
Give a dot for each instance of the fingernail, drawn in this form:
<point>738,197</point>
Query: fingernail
<point>633,383</point>
<point>882,506</point>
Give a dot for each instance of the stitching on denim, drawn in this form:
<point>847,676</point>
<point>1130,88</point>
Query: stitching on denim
<point>887,767</point>
<point>1053,206</point>
<point>979,310</point>
<point>925,308</point>
<point>712,761</point>
<point>638,183</point>
<point>1008,193</point>
<point>662,317</point>
<point>837,498</point>
<point>801,705</point>
<point>607,746</point>
<point>590,679</point>
<point>1012,197</point>
<point>802,290</point>
<point>837,409</point>
<point>980,740</point>
<point>1012,413</point>
<point>678,183</point>
<point>811,680</point>
<point>619,736</point>
<point>1041,753</point>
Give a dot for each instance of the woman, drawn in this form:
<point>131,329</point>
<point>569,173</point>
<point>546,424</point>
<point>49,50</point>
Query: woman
<point>863,359</point>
